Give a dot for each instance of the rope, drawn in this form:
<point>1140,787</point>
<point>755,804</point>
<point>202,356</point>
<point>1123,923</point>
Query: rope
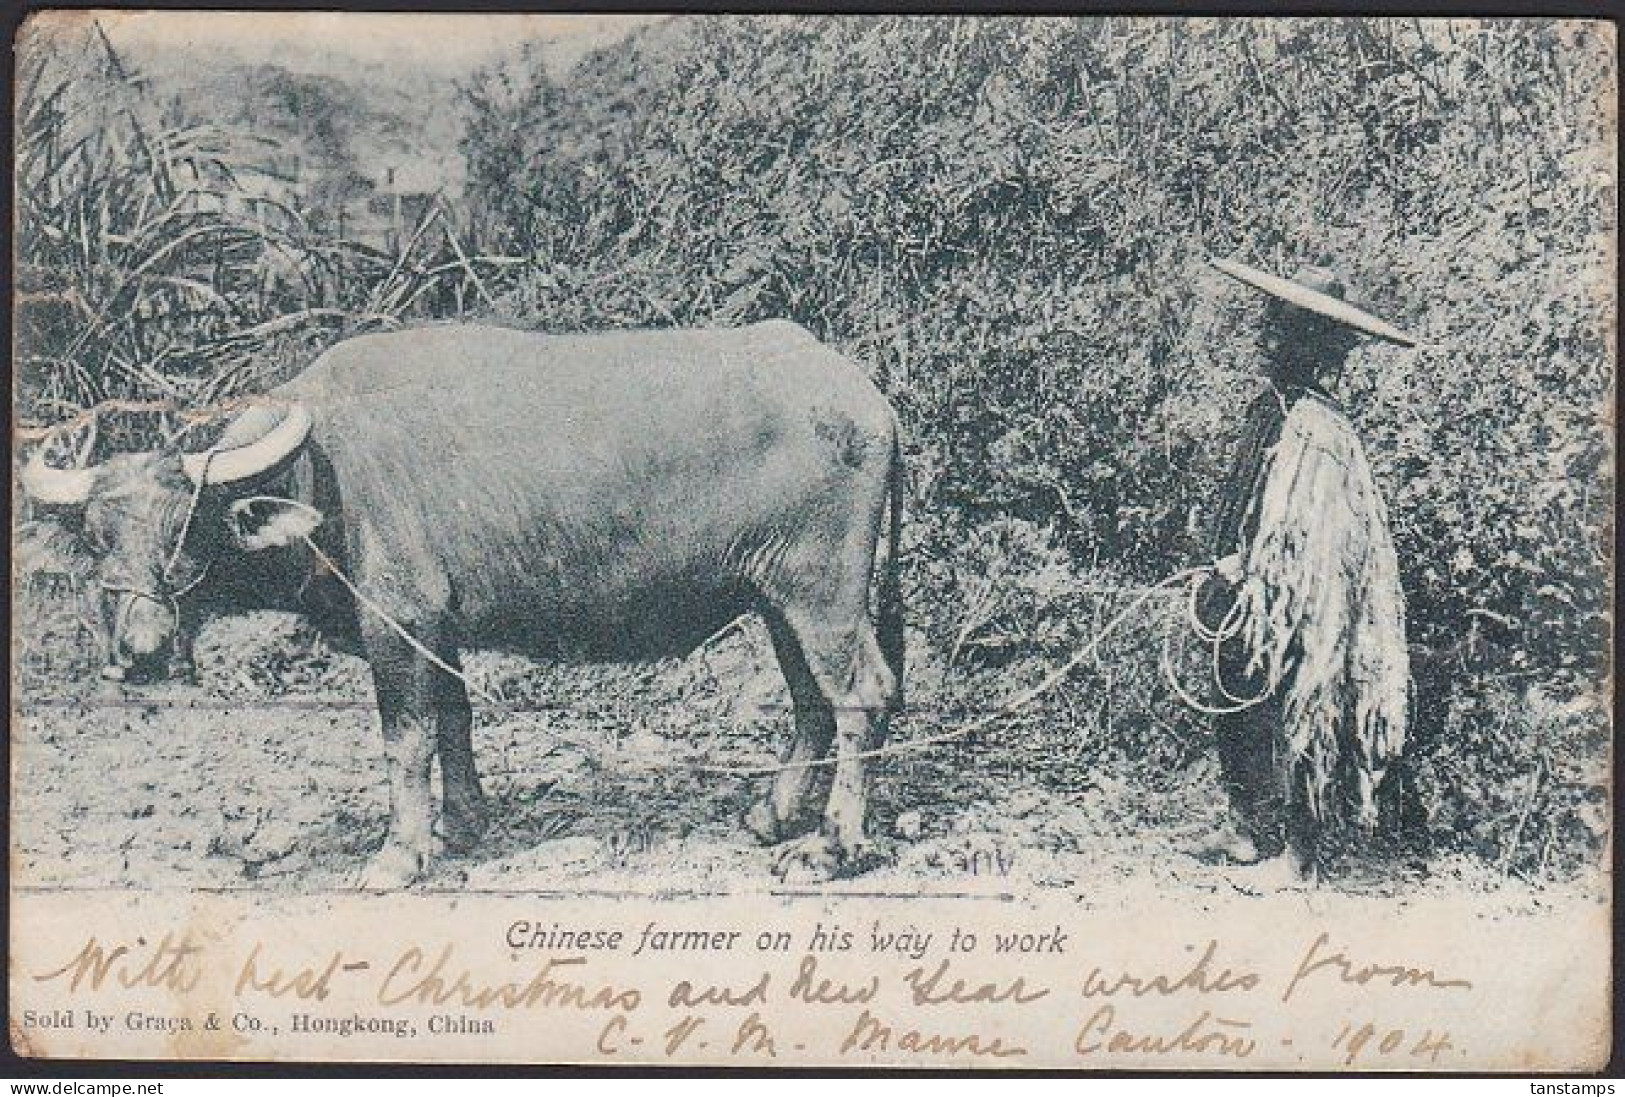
<point>1021,700</point>
<point>171,599</point>
<point>1227,629</point>
<point>399,629</point>
<point>1229,626</point>
<point>186,523</point>
<point>378,611</point>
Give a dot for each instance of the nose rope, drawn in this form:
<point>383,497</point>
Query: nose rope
<point>170,600</point>
<point>186,522</point>
<point>167,596</point>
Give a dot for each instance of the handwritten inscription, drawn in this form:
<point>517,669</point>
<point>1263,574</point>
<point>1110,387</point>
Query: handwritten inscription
<point>303,982</point>
<point>170,965</point>
<point>686,995</point>
<point>1203,976</point>
<point>938,988</point>
<point>444,982</point>
<point>1204,1035</point>
<point>810,988</point>
<point>920,995</point>
<point>870,1034</point>
<point>1321,962</point>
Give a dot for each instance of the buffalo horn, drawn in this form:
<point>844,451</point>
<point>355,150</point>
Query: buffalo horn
<point>53,486</point>
<point>227,463</point>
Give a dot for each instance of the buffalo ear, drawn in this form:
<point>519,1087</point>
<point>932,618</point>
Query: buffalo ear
<point>259,524</point>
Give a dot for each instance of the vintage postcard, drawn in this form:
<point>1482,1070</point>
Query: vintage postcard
<point>1066,543</point>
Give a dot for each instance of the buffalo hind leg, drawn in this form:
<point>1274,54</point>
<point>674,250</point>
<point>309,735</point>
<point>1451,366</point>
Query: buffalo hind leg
<point>860,726</point>
<point>463,812</point>
<point>788,810</point>
<point>405,686</point>
<point>860,686</point>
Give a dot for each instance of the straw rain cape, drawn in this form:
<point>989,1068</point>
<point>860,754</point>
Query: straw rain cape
<point>1322,611</point>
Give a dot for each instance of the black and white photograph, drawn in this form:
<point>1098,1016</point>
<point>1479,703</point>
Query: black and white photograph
<point>892,476</point>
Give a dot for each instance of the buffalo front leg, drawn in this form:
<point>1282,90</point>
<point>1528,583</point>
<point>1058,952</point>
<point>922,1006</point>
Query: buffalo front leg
<point>406,694</point>
<point>858,731</point>
<point>182,658</point>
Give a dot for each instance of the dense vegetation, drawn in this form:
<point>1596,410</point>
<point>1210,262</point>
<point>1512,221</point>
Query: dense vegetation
<point>1008,222</point>
<point>161,258</point>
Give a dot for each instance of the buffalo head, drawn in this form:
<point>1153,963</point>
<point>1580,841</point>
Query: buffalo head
<point>151,523</point>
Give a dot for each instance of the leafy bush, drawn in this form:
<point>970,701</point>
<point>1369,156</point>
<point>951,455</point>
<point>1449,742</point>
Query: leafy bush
<point>1008,222</point>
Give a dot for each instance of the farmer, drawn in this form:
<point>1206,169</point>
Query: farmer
<point>1304,608</point>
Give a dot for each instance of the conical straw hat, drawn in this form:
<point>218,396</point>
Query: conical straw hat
<point>1306,296</point>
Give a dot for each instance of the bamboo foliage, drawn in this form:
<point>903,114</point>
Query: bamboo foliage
<point>157,265</point>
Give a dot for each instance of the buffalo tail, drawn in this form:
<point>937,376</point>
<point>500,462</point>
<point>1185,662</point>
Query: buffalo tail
<point>889,623</point>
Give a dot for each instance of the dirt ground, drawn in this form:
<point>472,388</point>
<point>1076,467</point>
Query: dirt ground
<point>268,774</point>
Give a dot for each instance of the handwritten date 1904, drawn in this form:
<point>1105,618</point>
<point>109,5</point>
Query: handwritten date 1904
<point>1364,1042</point>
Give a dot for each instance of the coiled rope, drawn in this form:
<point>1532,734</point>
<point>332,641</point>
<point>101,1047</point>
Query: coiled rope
<point>1229,628</point>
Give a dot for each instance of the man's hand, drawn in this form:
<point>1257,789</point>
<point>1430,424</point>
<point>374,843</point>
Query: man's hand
<point>1229,568</point>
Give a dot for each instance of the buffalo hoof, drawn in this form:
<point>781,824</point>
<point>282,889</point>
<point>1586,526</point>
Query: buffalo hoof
<point>393,868</point>
<point>763,822</point>
<point>818,858</point>
<point>770,829</point>
<point>464,827</point>
<point>866,855</point>
<point>1228,847</point>
<point>1305,865</point>
<point>1267,876</point>
<point>815,859</point>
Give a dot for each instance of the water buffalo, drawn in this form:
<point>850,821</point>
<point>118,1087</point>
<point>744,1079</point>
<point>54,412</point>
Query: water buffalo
<point>611,496</point>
